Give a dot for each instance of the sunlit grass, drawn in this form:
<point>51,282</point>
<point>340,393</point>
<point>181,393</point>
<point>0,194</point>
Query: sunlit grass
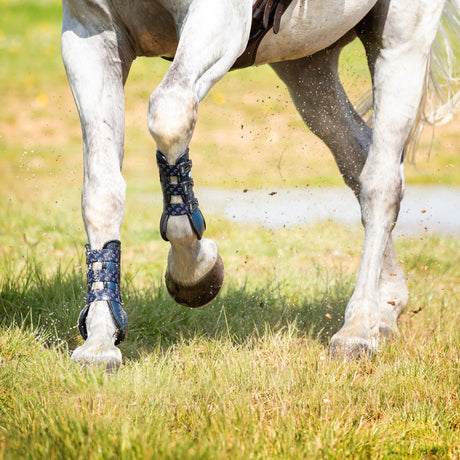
<point>246,376</point>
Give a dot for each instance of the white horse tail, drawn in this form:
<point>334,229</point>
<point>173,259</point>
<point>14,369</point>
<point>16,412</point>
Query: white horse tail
<point>441,97</point>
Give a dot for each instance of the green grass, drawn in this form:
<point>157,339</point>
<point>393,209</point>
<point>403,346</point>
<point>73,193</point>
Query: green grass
<point>248,376</point>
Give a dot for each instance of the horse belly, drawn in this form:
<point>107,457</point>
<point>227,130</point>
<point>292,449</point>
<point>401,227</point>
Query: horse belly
<point>309,26</point>
<point>150,26</point>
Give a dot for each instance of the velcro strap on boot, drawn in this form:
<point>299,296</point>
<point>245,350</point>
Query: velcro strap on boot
<point>182,186</point>
<point>103,278</point>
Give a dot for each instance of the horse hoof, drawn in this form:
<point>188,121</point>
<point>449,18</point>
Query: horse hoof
<point>350,349</point>
<point>109,359</point>
<point>201,293</point>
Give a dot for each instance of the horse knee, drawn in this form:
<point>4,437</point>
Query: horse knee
<point>98,192</point>
<point>171,118</point>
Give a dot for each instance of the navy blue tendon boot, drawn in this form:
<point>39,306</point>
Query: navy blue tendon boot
<point>103,278</point>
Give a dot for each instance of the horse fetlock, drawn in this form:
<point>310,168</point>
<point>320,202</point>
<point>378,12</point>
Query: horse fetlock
<point>103,322</point>
<point>189,263</point>
<point>178,231</point>
<point>394,297</point>
<point>390,310</point>
<point>98,327</point>
<point>195,275</point>
<point>359,336</point>
<point>181,230</point>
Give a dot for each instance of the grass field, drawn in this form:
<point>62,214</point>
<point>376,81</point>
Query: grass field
<point>248,376</point>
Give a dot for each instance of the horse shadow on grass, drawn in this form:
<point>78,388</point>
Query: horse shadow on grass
<point>240,314</point>
<point>51,304</point>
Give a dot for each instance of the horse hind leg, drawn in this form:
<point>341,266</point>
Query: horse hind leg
<point>206,51</point>
<point>321,101</point>
<point>399,64</point>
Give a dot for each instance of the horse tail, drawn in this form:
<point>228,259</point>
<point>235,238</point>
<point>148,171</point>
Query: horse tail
<point>441,96</point>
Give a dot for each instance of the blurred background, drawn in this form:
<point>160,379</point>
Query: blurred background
<point>249,147</point>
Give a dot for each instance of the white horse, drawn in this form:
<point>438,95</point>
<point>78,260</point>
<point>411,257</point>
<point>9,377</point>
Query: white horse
<point>302,41</point>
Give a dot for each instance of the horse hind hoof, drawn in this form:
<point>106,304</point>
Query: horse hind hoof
<point>350,349</point>
<point>201,293</point>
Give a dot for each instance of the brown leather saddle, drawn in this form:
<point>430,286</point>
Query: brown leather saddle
<point>266,14</point>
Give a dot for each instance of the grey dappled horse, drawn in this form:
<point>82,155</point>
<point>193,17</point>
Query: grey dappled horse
<point>301,40</point>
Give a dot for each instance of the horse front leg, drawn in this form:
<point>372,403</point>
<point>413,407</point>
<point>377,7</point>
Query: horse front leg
<point>212,37</point>
<point>96,74</point>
